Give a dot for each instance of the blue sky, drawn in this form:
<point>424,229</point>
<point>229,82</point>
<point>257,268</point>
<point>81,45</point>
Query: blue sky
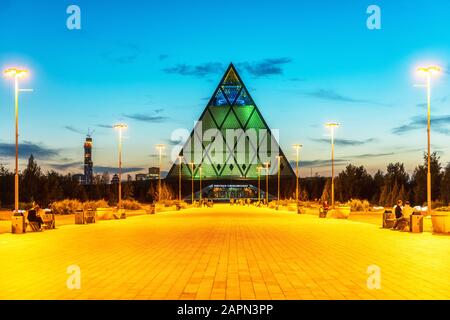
<point>154,64</point>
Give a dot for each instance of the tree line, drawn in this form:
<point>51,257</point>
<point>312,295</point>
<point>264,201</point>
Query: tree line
<point>45,188</point>
<point>354,182</point>
<point>385,188</point>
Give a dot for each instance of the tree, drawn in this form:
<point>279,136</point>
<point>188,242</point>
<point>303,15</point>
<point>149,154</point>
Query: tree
<point>31,181</point>
<point>378,181</point>
<point>326,194</point>
<point>394,179</point>
<point>419,179</point>
<point>354,183</point>
<point>445,185</point>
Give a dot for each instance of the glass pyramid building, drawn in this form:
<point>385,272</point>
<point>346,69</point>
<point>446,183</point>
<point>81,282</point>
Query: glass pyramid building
<point>210,152</point>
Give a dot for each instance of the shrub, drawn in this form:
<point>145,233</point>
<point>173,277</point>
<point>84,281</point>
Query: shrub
<point>359,205</point>
<point>436,204</point>
<point>25,205</point>
<point>93,205</point>
<point>66,206</point>
<point>131,205</point>
<point>443,209</point>
<point>272,204</point>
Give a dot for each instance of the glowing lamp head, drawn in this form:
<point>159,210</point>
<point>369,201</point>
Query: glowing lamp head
<point>332,125</point>
<point>297,146</point>
<point>16,72</point>
<point>430,70</point>
<point>160,146</point>
<point>120,126</point>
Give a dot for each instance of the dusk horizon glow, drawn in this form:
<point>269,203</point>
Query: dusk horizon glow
<point>155,67</point>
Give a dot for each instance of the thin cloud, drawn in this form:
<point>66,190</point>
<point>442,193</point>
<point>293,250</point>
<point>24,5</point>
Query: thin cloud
<point>146,117</point>
<point>266,67</point>
<point>27,148</point>
<point>345,142</point>
<point>113,170</point>
<point>439,124</point>
<point>319,163</point>
<point>163,57</point>
<point>176,142</point>
<point>200,70</point>
<point>372,155</point>
<point>105,126</point>
<point>122,53</point>
<point>73,129</point>
<point>65,166</point>
<point>331,95</point>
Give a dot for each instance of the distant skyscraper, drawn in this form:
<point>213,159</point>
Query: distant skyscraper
<point>88,164</point>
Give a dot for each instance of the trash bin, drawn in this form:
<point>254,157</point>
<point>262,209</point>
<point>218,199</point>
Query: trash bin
<point>416,223</point>
<point>79,216</point>
<point>18,224</point>
<point>388,219</point>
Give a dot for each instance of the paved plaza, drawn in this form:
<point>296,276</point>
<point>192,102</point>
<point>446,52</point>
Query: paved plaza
<point>224,253</point>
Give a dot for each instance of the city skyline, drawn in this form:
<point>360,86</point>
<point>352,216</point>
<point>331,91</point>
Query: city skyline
<point>143,72</point>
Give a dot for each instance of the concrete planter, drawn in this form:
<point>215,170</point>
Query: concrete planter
<point>441,222</point>
<point>104,213</point>
<point>342,212</point>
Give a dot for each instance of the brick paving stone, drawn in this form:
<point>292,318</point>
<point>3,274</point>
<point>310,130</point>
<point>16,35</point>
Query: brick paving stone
<point>224,253</point>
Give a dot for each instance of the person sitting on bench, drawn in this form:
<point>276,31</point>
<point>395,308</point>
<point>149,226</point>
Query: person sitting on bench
<point>35,217</point>
<point>403,221</point>
<point>402,215</point>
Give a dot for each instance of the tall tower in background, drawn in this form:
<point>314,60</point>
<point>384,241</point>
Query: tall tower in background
<point>88,164</point>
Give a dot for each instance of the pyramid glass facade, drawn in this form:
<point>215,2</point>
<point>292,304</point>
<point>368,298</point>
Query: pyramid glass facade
<point>231,139</point>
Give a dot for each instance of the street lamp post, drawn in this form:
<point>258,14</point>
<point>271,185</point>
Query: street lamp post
<point>267,183</point>
<point>200,194</point>
<point>297,149</point>
<point>120,127</point>
<point>278,177</point>
<point>160,148</point>
<point>259,168</point>
<point>16,74</point>
<point>192,181</point>
<point>180,163</point>
<point>428,72</point>
<point>332,126</point>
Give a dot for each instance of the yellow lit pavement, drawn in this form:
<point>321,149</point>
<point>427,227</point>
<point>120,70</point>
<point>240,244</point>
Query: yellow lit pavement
<point>224,253</point>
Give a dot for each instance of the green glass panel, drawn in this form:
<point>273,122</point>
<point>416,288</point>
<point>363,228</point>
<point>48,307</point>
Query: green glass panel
<point>219,113</point>
<point>207,121</point>
<point>256,122</point>
<point>231,122</point>
<point>243,113</point>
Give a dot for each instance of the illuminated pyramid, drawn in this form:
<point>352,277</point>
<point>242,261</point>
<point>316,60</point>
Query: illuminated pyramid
<point>230,107</point>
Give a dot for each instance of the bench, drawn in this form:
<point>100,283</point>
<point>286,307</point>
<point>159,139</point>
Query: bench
<point>388,219</point>
<point>322,213</point>
<point>85,216</point>
<point>49,220</point>
<point>119,214</point>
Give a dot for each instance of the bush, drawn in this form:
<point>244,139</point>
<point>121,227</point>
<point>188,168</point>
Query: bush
<point>443,209</point>
<point>359,205</point>
<point>93,205</point>
<point>25,205</point>
<point>131,205</point>
<point>67,206</point>
<point>436,204</point>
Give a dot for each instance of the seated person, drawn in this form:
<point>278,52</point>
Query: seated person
<point>34,216</point>
<point>407,211</point>
<point>402,221</point>
<point>325,206</point>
